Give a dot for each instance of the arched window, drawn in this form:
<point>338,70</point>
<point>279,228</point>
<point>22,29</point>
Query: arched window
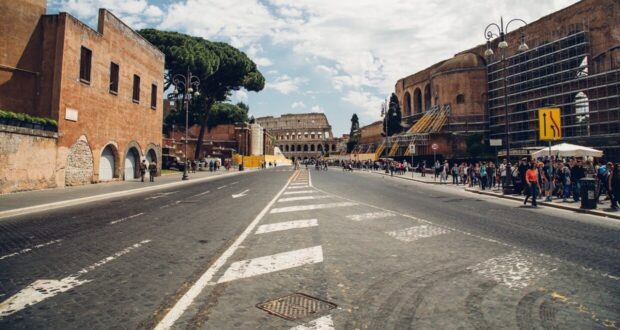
<point>299,147</point>
<point>312,147</point>
<point>460,99</point>
<point>582,114</point>
<point>417,101</point>
<point>407,104</point>
<point>305,147</point>
<point>427,96</point>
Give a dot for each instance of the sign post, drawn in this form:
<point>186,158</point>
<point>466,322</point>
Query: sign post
<point>549,125</point>
<point>412,152</point>
<point>434,146</point>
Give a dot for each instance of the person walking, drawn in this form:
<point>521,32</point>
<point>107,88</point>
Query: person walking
<point>483,175</point>
<point>614,186</point>
<point>577,173</point>
<point>503,169</point>
<point>142,170</point>
<point>152,171</point>
<point>533,185</point>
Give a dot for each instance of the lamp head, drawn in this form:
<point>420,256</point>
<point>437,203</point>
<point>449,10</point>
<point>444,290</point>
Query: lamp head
<point>503,44</point>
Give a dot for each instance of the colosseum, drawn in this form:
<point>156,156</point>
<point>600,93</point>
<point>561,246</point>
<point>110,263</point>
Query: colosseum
<point>301,136</point>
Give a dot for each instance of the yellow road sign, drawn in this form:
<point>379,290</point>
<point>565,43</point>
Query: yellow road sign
<point>550,124</point>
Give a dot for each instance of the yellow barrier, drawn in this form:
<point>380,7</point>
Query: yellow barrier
<point>256,161</point>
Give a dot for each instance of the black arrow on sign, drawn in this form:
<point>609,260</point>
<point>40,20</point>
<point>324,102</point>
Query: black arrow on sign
<point>555,127</point>
<point>545,123</point>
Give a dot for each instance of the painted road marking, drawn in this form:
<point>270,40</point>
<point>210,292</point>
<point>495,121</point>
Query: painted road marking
<point>301,198</point>
<point>160,195</point>
<point>26,250</point>
<point>241,194</point>
<point>369,216</point>
<point>322,323</point>
<point>297,187</point>
<point>300,192</point>
<point>234,183</point>
<point>414,233</point>
<point>202,193</point>
<point>222,187</point>
<point>126,218</point>
<point>205,279</point>
<point>40,290</point>
<point>311,207</point>
<point>287,225</point>
<point>272,263</point>
<point>515,270</point>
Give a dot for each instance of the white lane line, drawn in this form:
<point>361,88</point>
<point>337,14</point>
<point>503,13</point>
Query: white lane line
<point>160,195</point>
<point>222,187</point>
<point>272,263</point>
<point>26,250</point>
<point>414,233</point>
<point>280,226</point>
<point>297,187</point>
<point>300,192</point>
<point>202,193</point>
<point>515,270</point>
<point>205,279</point>
<point>370,215</point>
<point>234,183</point>
<point>301,198</point>
<point>40,290</point>
<point>322,323</point>
<point>126,218</point>
<point>241,194</point>
<point>310,207</point>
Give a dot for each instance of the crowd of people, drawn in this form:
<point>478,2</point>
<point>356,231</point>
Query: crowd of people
<point>535,178</point>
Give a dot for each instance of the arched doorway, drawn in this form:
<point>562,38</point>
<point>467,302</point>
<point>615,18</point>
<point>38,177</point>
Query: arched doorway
<point>407,104</point>
<point>427,97</point>
<point>107,163</point>
<point>151,156</point>
<point>79,168</point>
<point>417,101</point>
<point>131,165</point>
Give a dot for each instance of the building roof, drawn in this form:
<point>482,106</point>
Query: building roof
<point>461,62</point>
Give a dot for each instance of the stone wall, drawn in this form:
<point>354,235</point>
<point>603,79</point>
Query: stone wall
<point>79,169</point>
<point>28,158</point>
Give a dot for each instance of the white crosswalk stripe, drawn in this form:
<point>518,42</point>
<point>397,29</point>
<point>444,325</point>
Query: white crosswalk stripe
<point>280,226</point>
<point>301,198</point>
<point>300,192</point>
<point>368,216</point>
<point>311,207</point>
<point>298,187</point>
<point>414,233</point>
<point>272,263</point>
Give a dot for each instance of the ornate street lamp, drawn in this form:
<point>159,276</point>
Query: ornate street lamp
<point>490,34</point>
<point>185,90</point>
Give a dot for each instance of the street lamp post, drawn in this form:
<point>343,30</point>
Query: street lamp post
<point>186,84</point>
<point>489,34</point>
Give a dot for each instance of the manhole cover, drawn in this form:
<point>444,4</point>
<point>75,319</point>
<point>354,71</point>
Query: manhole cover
<point>296,306</point>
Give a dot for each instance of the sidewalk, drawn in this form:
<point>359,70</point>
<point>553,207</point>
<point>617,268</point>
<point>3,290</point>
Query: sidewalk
<point>32,201</point>
<point>603,209</point>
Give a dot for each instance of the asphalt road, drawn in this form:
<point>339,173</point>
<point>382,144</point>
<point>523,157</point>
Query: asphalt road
<point>387,253</point>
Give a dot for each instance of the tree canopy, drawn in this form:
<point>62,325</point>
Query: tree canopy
<point>393,117</point>
<point>220,67</point>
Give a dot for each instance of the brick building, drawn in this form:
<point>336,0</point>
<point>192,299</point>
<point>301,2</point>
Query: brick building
<point>573,62</point>
<point>104,87</point>
<point>301,136</point>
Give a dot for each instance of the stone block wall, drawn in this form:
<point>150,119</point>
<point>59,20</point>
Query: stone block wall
<point>28,158</point>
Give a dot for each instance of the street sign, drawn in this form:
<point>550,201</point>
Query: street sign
<point>412,148</point>
<point>550,124</point>
<point>495,142</point>
<point>434,146</point>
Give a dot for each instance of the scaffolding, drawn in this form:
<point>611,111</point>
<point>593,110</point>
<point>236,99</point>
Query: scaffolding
<point>563,74</point>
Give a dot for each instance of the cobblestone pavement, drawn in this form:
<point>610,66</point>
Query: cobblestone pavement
<point>389,254</point>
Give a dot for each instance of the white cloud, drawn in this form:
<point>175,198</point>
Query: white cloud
<point>298,104</point>
<point>239,96</point>
<point>285,84</point>
<point>317,108</point>
<point>367,102</point>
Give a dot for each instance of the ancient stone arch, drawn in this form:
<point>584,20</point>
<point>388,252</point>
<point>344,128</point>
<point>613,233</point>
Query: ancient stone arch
<point>80,164</point>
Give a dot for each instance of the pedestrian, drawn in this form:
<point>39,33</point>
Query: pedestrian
<point>614,186</point>
<point>152,171</point>
<point>483,175</point>
<point>548,184</point>
<point>502,172</point>
<point>143,169</point>
<point>577,173</point>
<point>533,186</point>
<point>602,174</point>
<point>455,174</point>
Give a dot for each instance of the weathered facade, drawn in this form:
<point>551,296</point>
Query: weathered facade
<point>104,87</point>
<point>573,62</point>
<point>301,136</point>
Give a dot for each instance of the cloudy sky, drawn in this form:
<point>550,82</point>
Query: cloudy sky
<point>334,56</point>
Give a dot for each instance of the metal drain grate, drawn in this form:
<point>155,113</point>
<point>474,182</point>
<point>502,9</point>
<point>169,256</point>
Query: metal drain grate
<point>296,306</point>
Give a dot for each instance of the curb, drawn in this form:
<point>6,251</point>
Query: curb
<point>83,200</point>
<point>554,205</point>
<point>401,177</point>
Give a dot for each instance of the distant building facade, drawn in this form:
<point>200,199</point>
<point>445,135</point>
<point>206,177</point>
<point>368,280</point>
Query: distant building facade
<point>573,63</point>
<point>104,87</point>
<point>301,136</point>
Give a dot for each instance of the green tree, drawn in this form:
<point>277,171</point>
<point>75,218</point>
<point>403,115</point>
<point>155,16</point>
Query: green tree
<point>393,117</point>
<point>227,113</point>
<point>354,133</point>
<point>220,67</point>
